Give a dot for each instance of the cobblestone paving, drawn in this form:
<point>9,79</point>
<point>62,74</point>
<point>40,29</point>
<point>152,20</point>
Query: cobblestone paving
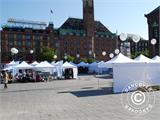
<point>86,98</point>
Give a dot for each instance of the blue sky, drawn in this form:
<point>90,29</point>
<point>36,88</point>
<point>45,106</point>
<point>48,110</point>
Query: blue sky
<point>122,15</point>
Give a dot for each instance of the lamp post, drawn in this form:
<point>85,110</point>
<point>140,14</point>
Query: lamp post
<point>104,53</point>
<point>116,51</point>
<point>123,38</point>
<point>31,52</point>
<point>65,57</point>
<point>78,56</point>
<point>14,51</point>
<point>111,55</point>
<point>55,56</point>
<point>90,53</point>
<point>153,42</point>
<point>136,39</point>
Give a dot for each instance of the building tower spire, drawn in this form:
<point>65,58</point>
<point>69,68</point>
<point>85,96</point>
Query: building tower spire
<point>88,17</point>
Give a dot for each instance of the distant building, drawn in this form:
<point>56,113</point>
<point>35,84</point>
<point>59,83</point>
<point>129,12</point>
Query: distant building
<point>25,36</point>
<point>84,37</point>
<point>153,20</point>
<point>129,47</point>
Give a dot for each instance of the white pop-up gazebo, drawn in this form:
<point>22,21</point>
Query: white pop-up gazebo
<point>156,59</point>
<point>44,67</point>
<point>67,65</point>
<point>120,58</point>
<point>93,67</point>
<point>143,69</point>
<point>143,59</point>
<point>82,64</point>
<point>24,65</point>
<point>34,63</point>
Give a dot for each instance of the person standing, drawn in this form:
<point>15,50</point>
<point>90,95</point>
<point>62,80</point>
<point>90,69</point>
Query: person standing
<point>5,77</point>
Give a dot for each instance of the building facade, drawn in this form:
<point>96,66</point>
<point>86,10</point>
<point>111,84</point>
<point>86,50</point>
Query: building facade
<point>26,36</point>
<point>132,49</point>
<point>153,20</point>
<point>84,37</point>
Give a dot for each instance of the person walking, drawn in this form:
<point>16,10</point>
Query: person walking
<point>5,78</point>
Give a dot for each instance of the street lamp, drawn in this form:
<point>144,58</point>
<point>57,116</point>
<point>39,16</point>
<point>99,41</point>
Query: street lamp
<point>153,42</point>
<point>116,51</point>
<point>65,57</point>
<point>104,53</point>
<point>55,56</point>
<point>136,39</point>
<point>31,52</point>
<point>14,51</point>
<point>77,55</point>
<point>123,37</point>
<point>111,55</point>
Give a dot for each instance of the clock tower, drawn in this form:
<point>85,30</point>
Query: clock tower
<point>88,17</point>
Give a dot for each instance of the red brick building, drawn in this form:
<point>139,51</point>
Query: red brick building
<point>75,36</point>
<point>153,20</point>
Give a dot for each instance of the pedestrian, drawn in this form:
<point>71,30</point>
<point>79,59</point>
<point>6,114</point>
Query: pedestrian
<point>5,78</point>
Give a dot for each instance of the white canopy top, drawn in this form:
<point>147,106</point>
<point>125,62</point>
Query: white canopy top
<point>35,63</point>
<point>156,58</point>
<point>93,64</point>
<point>142,58</point>
<point>13,63</point>
<point>73,63</point>
<point>120,58</point>
<point>68,65</point>
<point>44,64</point>
<point>82,64</point>
<point>23,65</point>
<point>101,64</point>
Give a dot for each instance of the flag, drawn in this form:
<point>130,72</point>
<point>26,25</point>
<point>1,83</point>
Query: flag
<point>51,11</point>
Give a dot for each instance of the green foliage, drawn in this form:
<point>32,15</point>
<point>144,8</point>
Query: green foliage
<point>71,58</point>
<point>91,60</point>
<point>46,54</point>
<point>145,53</point>
<point>84,60</point>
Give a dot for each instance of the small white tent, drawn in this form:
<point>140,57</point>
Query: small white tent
<point>101,67</point>
<point>93,67</point>
<point>156,59</point>
<point>82,64</point>
<point>34,63</point>
<point>143,59</point>
<point>44,67</point>
<point>67,65</point>
<point>120,58</point>
<point>23,65</point>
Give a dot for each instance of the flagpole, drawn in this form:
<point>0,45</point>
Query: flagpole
<point>51,15</point>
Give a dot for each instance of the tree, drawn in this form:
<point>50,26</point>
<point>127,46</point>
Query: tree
<point>84,60</point>
<point>71,58</point>
<point>91,60</point>
<point>46,54</point>
<point>144,52</point>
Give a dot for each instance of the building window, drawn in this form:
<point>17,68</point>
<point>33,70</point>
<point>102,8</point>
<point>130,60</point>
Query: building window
<point>155,30</point>
<point>28,37</point>
<point>28,43</point>
<point>19,43</point>
<point>11,36</point>
<point>19,37</point>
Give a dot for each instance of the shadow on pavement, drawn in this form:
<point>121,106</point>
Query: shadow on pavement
<point>14,91</point>
<point>90,93</point>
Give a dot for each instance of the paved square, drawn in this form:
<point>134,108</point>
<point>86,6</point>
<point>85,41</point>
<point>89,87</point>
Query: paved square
<point>79,99</point>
